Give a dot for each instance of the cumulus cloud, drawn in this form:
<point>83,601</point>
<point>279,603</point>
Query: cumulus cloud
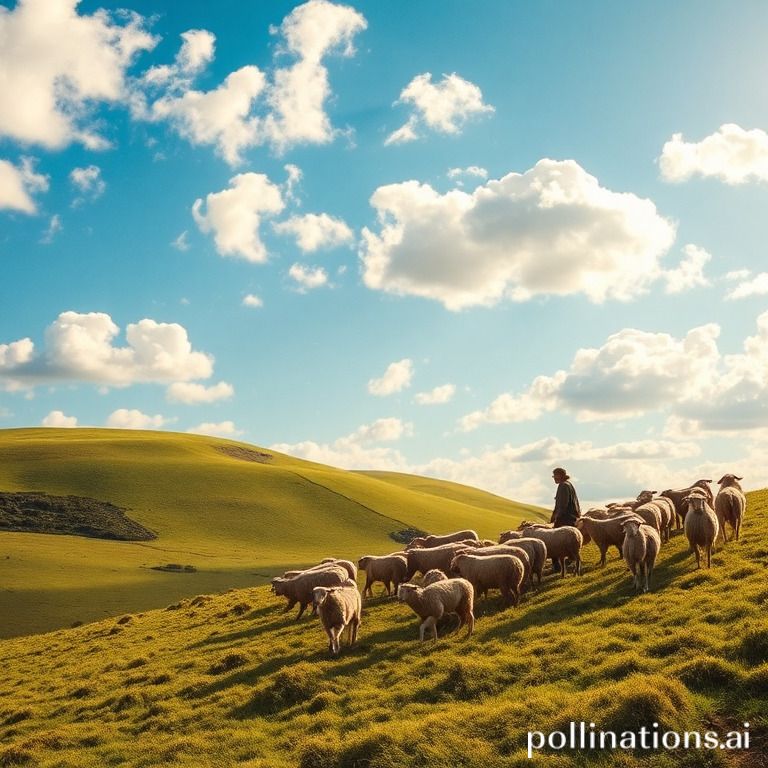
<point>88,182</point>
<point>57,64</point>
<point>550,230</point>
<point>444,106</point>
<point>19,183</point>
<point>253,301</point>
<point>216,429</point>
<point>192,393</point>
<point>396,378</point>
<point>690,272</point>
<point>234,215</point>
<point>756,285</point>
<point>314,231</point>
<point>58,419</point>
<point>307,278</point>
<point>436,396</point>
<point>472,170</point>
<point>124,418</point>
<point>81,347</point>
<point>731,154</point>
<point>356,450</point>
<point>281,107</point>
<point>634,372</point>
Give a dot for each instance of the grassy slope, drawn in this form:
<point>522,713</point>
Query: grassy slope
<point>236,521</point>
<point>228,680</point>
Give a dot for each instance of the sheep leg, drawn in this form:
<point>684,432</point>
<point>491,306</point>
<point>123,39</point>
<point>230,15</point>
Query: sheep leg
<point>289,607</point>
<point>561,563</point>
<point>335,635</point>
<point>367,591</point>
<point>470,622</point>
<point>698,557</point>
<point>428,623</point>
<point>603,553</point>
<point>578,563</point>
<point>302,608</point>
<point>353,628</point>
<point>709,555</point>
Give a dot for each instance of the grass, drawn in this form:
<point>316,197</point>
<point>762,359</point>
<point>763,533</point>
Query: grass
<point>231,515</point>
<point>228,680</point>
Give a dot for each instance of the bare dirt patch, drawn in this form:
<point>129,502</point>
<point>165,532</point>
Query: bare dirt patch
<point>244,454</point>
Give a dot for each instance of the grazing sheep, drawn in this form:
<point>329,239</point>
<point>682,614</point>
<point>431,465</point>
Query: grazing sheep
<point>347,565</point>
<point>532,524</point>
<point>432,577</point>
<point>299,588</point>
<point>605,533</point>
<point>651,515</point>
<point>505,549</point>
<point>562,543</point>
<point>537,554</point>
<point>640,548</point>
<point>427,542</point>
<point>433,602</point>
<point>730,505</point>
<point>339,609</point>
<point>389,569</point>
<point>701,526</point>
<point>677,497</point>
<point>502,572</point>
<point>423,560</point>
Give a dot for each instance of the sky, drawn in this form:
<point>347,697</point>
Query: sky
<point>468,240</point>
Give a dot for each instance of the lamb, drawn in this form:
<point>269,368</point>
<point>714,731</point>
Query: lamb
<point>503,572</point>
<point>432,577</point>
<point>299,588</point>
<point>424,560</point>
<point>506,549</point>
<point>701,526</point>
<point>677,497</point>
<point>730,505</point>
<point>605,533</point>
<point>339,609</point>
<point>428,542</point>
<point>562,543</point>
<point>433,602</point>
<point>389,569</point>
<point>640,549</point>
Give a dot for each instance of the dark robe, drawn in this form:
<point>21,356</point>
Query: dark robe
<point>567,510</point>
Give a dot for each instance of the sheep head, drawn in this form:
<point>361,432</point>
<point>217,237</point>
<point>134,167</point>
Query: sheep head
<point>404,590</point>
<point>696,501</point>
<point>631,527</point>
<point>645,496</point>
<point>729,480</point>
<point>319,595</point>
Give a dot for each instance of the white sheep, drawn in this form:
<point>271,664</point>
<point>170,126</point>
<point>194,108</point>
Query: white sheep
<point>605,533</point>
<point>730,505</point>
<point>701,526</point>
<point>509,548</point>
<point>432,577</point>
<point>433,602</point>
<point>339,609</point>
<point>640,549</point>
<point>299,588</point>
<point>563,543</point>
<point>502,572</point>
<point>389,569</point>
<point>427,542</point>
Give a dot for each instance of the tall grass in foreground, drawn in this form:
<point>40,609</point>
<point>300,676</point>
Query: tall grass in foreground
<point>227,680</point>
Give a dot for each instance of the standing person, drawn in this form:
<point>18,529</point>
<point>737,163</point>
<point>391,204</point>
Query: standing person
<point>567,510</point>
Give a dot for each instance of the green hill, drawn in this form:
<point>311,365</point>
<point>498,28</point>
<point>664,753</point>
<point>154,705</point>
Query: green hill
<point>228,680</point>
<point>235,513</point>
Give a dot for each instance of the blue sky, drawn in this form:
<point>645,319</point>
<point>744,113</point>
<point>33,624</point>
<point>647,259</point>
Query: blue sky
<point>468,240</point>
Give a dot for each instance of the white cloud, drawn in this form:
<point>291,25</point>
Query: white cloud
<point>191,393</point>
<point>234,215</point>
<point>88,182</point>
<point>292,182</point>
<point>754,286</point>
<point>283,107</point>
<point>54,227</point>
<point>737,274</point>
<point>19,183</point>
<point>123,418</point>
<point>731,154</point>
<point>58,419</point>
<point>636,372</point>
<point>314,231</point>
<point>436,396</point>
<point>57,65</point>
<point>181,243</point>
<point>308,278</point>
<point>472,170</point>
<point>551,230</point>
<point>80,347</point>
<point>690,273</point>
<point>356,450</point>
<point>250,300</point>
<point>444,106</point>
<point>395,379</point>
<point>216,429</point>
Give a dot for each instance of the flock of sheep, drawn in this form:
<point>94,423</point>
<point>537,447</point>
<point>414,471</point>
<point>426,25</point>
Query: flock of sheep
<point>459,566</point>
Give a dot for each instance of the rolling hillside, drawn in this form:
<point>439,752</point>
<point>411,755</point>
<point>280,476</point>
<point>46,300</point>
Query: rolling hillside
<point>228,680</point>
<point>235,513</point>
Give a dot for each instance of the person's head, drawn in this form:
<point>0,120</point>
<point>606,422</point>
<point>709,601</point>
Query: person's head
<point>559,475</point>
